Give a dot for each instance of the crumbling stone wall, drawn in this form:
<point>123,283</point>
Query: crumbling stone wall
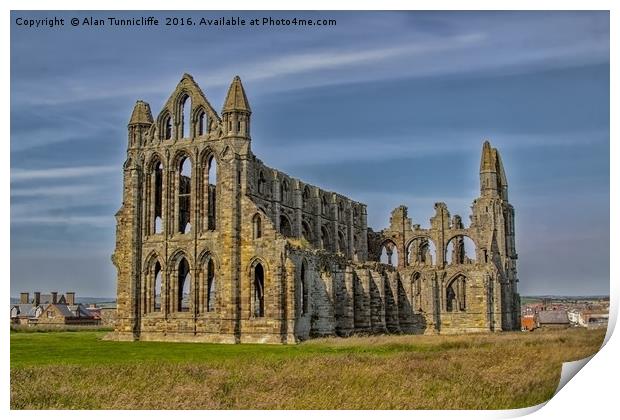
<point>213,245</point>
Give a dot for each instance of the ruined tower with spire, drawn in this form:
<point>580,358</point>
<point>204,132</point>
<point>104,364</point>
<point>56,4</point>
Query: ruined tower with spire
<point>212,245</point>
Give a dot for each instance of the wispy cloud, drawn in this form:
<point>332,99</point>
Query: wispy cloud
<point>64,204</point>
<point>55,191</point>
<point>67,91</point>
<point>61,201</point>
<point>336,58</point>
<point>256,69</point>
<point>98,221</point>
<point>18,174</point>
<point>406,41</point>
<point>365,150</point>
<point>415,147</point>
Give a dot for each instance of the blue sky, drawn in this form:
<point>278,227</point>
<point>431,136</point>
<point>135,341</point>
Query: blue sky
<point>388,108</point>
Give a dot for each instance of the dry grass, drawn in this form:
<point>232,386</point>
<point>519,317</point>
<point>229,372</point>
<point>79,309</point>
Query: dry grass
<point>491,371</point>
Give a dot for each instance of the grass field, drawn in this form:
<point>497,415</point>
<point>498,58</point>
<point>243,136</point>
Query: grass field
<point>70,370</point>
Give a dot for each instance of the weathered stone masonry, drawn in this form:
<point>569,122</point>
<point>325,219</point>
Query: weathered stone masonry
<point>212,245</point>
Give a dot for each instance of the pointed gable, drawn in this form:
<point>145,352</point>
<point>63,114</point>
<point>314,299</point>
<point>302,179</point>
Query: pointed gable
<point>236,100</point>
<point>187,87</point>
<point>141,113</point>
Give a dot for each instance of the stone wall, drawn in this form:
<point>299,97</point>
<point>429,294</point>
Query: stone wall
<point>215,246</point>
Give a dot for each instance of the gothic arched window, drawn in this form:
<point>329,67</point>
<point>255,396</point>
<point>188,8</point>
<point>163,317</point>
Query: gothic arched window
<point>184,195</point>
<point>186,112</point>
<point>261,183</point>
<point>258,286</point>
<point>211,193</point>
<point>184,281</point>
<point>210,287</point>
<point>202,123</point>
<point>157,174</point>
<point>256,226</point>
<point>167,127</point>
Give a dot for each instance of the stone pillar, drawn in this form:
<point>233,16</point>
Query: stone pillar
<point>229,227</point>
<point>146,200</point>
<point>275,188</point>
<point>350,230</point>
<point>323,323</point>
<point>144,295</point>
<point>508,307</point>
<point>298,203</point>
<point>377,302</point>
<point>174,290</point>
<point>392,302</point>
<point>434,321</point>
<point>288,321</point>
<point>497,304</point>
<point>348,303</point>
<point>318,217</point>
<point>201,278</point>
<point>175,194</point>
<point>193,296</point>
<point>194,217</point>
<point>362,300</point>
<point>363,251</point>
<point>204,197</point>
<point>168,208</point>
<point>135,252</point>
<point>333,209</point>
<point>151,292</point>
<point>165,292</point>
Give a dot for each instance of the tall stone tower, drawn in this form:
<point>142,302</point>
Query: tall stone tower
<point>127,255</point>
<point>494,216</point>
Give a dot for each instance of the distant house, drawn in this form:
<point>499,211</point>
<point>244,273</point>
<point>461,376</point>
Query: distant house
<point>51,309</point>
<point>573,316</point>
<point>552,319</point>
<point>594,319</point>
<point>21,313</point>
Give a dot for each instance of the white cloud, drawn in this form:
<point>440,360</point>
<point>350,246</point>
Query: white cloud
<point>18,174</point>
<point>97,221</point>
<point>340,150</point>
<point>63,203</point>
<point>480,42</point>
<point>415,146</point>
<point>262,68</point>
<point>65,190</point>
<point>334,58</point>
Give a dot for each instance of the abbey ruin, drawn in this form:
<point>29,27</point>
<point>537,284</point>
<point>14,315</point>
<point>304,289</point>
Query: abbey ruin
<point>213,245</point>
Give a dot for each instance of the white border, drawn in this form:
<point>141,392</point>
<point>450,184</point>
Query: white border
<point>591,394</point>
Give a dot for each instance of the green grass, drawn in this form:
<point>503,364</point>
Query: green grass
<point>79,370</point>
<point>86,348</point>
